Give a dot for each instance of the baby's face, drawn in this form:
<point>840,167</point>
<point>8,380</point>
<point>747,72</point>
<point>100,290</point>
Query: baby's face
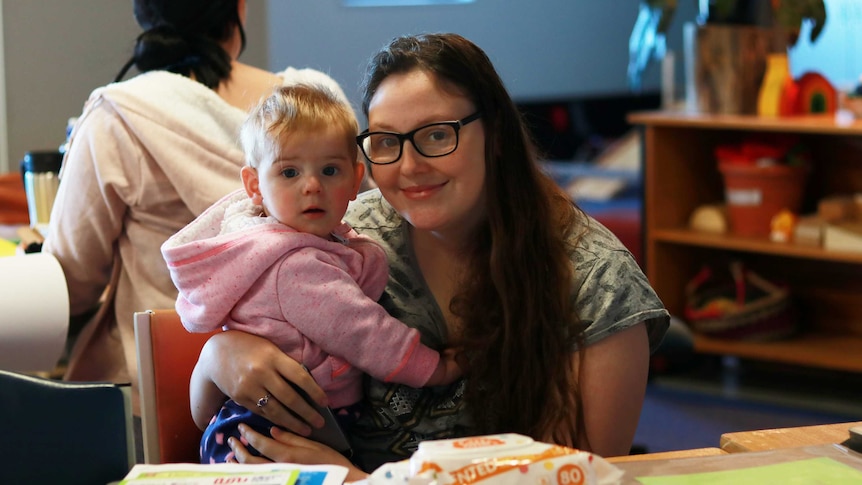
<point>311,180</point>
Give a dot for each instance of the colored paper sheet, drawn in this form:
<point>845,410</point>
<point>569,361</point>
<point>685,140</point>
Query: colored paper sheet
<point>814,470</point>
<point>7,248</point>
<point>220,473</point>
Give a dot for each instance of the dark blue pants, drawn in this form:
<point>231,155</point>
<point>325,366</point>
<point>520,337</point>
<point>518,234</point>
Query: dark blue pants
<point>214,447</point>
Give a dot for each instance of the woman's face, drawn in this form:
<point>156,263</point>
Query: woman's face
<point>438,194</point>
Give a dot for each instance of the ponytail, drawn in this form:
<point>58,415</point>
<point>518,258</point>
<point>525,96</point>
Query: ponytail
<point>185,40</point>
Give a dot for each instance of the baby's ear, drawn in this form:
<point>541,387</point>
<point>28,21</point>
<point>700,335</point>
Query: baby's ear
<point>251,182</point>
<point>358,173</point>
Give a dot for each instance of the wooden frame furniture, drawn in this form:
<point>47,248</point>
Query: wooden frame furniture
<point>167,354</point>
<point>681,173</point>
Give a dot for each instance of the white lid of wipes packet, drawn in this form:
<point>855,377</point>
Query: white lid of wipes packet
<point>497,460</point>
<point>457,453</point>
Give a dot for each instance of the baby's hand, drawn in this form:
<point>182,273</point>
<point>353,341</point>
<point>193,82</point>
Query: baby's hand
<point>450,368</point>
<point>460,358</point>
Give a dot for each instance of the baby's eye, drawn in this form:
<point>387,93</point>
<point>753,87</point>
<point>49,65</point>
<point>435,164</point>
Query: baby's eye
<point>289,172</point>
<point>330,171</point>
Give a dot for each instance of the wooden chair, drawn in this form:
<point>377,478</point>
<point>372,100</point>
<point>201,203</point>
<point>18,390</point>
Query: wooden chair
<point>76,433</point>
<point>167,354</point>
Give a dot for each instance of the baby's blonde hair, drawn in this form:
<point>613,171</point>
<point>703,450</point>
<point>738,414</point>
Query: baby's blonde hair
<point>294,109</point>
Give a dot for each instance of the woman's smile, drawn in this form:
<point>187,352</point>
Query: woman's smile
<point>416,192</point>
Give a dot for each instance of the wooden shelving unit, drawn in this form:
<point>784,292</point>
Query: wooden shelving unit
<point>680,174</point>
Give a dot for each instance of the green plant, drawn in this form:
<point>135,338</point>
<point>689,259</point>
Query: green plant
<point>647,40</point>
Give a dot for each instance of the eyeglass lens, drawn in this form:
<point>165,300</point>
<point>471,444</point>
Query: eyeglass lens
<point>433,140</point>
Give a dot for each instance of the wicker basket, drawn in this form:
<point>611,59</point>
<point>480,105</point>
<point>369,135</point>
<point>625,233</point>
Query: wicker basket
<point>740,305</point>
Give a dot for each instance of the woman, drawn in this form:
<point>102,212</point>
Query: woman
<point>146,156</point>
<point>486,253</point>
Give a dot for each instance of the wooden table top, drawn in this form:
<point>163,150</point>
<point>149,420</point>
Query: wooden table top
<point>771,439</point>
<point>668,455</point>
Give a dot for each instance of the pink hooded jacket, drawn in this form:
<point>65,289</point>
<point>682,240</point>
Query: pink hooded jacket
<point>314,298</point>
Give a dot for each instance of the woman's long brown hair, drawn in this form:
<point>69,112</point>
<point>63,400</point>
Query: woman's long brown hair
<point>514,305</point>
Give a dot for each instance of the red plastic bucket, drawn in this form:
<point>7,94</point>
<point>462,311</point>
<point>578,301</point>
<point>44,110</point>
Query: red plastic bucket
<point>754,194</point>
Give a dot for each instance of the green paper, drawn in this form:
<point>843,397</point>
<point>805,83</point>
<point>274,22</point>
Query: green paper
<point>811,471</point>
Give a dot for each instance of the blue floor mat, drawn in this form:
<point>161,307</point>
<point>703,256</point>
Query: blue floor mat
<point>674,419</point>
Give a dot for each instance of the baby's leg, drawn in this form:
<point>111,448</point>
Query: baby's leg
<point>214,447</point>
<point>347,416</point>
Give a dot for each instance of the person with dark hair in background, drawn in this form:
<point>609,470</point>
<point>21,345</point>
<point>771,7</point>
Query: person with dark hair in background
<point>486,254</point>
<point>146,156</point>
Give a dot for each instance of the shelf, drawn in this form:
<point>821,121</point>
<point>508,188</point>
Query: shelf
<point>821,349</point>
<point>680,174</point>
<point>793,124</point>
<point>753,245</point>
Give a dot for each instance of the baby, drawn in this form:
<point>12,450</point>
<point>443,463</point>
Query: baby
<point>275,259</point>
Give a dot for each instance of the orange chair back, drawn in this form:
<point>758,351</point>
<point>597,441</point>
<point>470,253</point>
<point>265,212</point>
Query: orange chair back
<point>167,354</point>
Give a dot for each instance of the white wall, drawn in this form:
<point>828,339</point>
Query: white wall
<point>56,52</point>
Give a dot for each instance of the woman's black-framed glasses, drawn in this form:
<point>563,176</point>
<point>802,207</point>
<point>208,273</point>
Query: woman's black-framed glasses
<point>432,140</point>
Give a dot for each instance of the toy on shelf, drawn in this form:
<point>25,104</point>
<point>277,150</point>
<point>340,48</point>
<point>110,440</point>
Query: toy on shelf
<point>773,96</point>
<point>782,226</point>
<point>842,222</point>
<point>836,226</point>
<point>782,95</point>
<point>816,95</point>
<point>709,218</point>
<point>808,231</point>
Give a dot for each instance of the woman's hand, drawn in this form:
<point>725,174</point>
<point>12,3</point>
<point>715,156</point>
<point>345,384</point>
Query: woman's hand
<point>246,368</point>
<point>285,447</point>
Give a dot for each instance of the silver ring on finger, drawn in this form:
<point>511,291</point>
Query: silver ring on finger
<point>263,401</point>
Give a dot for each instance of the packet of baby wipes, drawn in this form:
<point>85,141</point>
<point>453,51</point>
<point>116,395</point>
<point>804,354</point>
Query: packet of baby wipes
<point>500,459</point>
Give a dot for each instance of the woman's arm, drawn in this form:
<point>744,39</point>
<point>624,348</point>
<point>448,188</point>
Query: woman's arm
<point>88,214</point>
<point>613,383</point>
<point>246,368</point>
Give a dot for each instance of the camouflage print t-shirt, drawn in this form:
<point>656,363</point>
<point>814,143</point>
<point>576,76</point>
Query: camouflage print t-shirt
<point>612,294</point>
